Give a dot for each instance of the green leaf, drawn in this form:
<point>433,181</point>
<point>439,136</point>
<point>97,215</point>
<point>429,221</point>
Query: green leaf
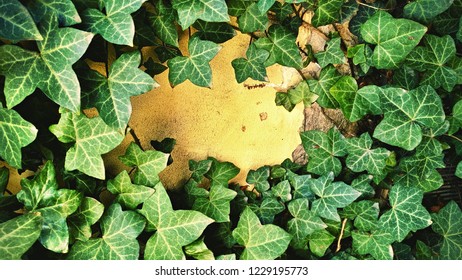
<point>148,164</point>
<point>448,223</point>
<point>50,69</point>
<point>238,7</point>
<point>282,99</point>
<point>267,209</point>
<point>253,19</point>
<point>301,187</point>
<point>15,133</point>
<point>88,213</point>
<point>304,223</point>
<point>199,168</point>
<point>64,10</point>
<point>406,78</point>
<point>327,78</point>
<point>362,185</point>
<point>118,242</point>
<point>405,113</point>
<point>229,257</point>
<point>301,93</point>
<point>282,191</point>
<point>320,241</point>
<point>344,91</point>
<point>261,242</point>
<point>432,60</point>
<point>4,177</point>
<point>425,10</point>
<point>281,44</point>
<point>16,23</point>
<point>217,32</point>
<point>18,235</point>
<point>366,101</point>
<point>163,24</point>
<point>91,138</point>
<point>327,12</point>
<point>332,55</point>
<point>128,194</point>
<point>198,250</point>
<point>365,214</point>
<point>395,38</point>
<point>196,67</point>
<point>252,66</point>
<point>259,178</point>
<point>221,172</point>
<point>458,172</point>
<point>115,25</point>
<point>362,158</point>
<point>174,229</point>
<point>331,195</point>
<point>407,213</point>
<point>207,10</point>
<point>217,203</point>
<point>112,94</point>
<point>378,244</point>
<point>323,150</point>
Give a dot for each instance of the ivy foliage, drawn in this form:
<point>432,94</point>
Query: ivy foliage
<point>68,70</point>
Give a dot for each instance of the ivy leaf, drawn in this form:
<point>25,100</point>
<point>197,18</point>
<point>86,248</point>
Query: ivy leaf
<point>217,32</point>
<point>319,242</point>
<point>19,234</point>
<point>253,19</point>
<point>282,191</point>
<point>252,66</point>
<point>198,250</point>
<point>16,23</point>
<point>301,187</point>
<point>405,113</point>
<point>281,45</point>
<point>432,59</point>
<point>378,244</point>
<point>120,230</point>
<point>361,157</point>
<point>362,185</point>
<point>332,55</point>
<point>406,77</point>
<point>407,213</point>
<point>15,133</point>
<point>163,23</point>
<point>267,209</point>
<point>327,12</point>
<point>344,91</point>
<point>207,10</point>
<point>64,10</point>
<point>174,228</point>
<point>196,67</point>
<point>115,25</point>
<point>238,7</point>
<point>221,172</point>
<point>259,178</point>
<point>366,101</point>
<point>327,78</point>
<point>365,214</point>
<point>128,194</point>
<point>331,195</point>
<point>50,69</point>
<point>448,223</point>
<point>217,203</point>
<point>91,138</point>
<point>261,242</point>
<point>301,93</point>
<point>112,94</point>
<point>303,223</point>
<point>88,213</point>
<point>425,10</point>
<point>395,38</point>
<point>323,150</point>
<point>199,168</point>
<point>148,164</point>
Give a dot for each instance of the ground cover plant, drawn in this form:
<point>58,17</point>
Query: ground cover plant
<point>358,197</point>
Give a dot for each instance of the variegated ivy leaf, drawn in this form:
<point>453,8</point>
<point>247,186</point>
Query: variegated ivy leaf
<point>112,94</point>
<point>91,138</point>
<point>196,67</point>
<point>320,241</point>
<point>378,244</point>
<point>432,59</point>
<point>332,55</point>
<point>327,12</point>
<point>174,228</point>
<point>323,149</point>
<point>426,10</point>
<point>148,164</point>
<point>448,224</point>
<point>252,66</point>
<point>366,101</point>
<point>50,69</point>
<point>65,11</point>
<point>116,24</point>
<point>344,91</point>
<point>365,214</point>
<point>41,195</point>
<point>88,213</point>
<point>253,19</point>
<point>127,194</point>
<point>303,223</point>
<point>361,156</point>
<point>267,209</point>
<point>163,23</point>
<point>118,242</point>
<point>261,242</point>
<point>259,178</point>
<point>217,203</point>
<point>19,234</point>
<point>16,23</point>
<point>331,195</point>
<point>282,47</point>
<point>221,172</point>
<point>327,78</point>
<point>406,214</point>
<point>406,113</point>
<point>207,10</point>
<point>394,38</point>
<point>15,133</point>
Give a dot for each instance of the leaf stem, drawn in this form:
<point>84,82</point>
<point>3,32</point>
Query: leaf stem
<point>370,6</point>
<point>454,137</point>
<point>339,245</point>
<point>135,137</point>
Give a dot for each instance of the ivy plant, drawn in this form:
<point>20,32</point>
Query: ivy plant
<point>68,70</point>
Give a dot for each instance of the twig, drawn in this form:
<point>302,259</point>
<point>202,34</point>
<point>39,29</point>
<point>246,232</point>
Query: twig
<point>454,137</point>
<point>339,246</point>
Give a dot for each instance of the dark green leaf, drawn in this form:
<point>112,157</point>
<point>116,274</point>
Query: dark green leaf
<point>207,10</point>
<point>252,66</point>
<point>361,157</point>
<point>327,78</point>
<point>365,214</point>
<point>327,12</point>
<point>217,203</point>
<point>426,10</point>
<point>163,24</point>
<point>367,100</point>
<point>344,91</point>
<point>406,77</point>
<point>448,223</point>
<point>378,244</point>
<point>16,23</point>
<point>217,32</point>
<point>320,241</point>
<point>302,187</point>
<point>64,10</point>
<point>267,209</point>
<point>253,19</point>
<point>221,172</point>
<point>332,55</point>
<point>199,168</point>
<point>259,178</point>
<point>362,185</point>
